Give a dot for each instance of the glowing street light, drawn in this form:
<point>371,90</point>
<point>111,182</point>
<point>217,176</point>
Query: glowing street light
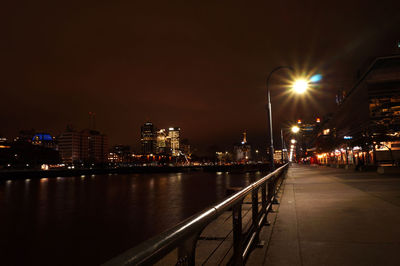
<point>295,129</point>
<point>300,86</point>
<point>293,141</point>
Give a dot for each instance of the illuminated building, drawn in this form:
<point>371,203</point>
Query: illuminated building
<point>304,134</point>
<point>365,128</point>
<point>161,146</point>
<point>120,154</point>
<point>112,157</point>
<point>242,150</point>
<point>174,140</point>
<point>44,139</point>
<point>88,146</point>
<point>148,138</point>
<point>4,144</point>
<point>37,138</point>
<point>69,145</point>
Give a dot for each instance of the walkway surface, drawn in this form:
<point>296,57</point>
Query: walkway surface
<point>332,216</point>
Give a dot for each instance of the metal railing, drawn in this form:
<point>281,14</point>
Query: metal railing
<point>183,237</point>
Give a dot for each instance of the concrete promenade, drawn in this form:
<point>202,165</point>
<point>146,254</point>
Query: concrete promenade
<point>332,216</point>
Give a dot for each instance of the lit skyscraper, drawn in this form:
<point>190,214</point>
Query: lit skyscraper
<point>148,138</point>
<point>173,137</point>
<point>161,141</point>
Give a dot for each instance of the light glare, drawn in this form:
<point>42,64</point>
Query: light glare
<point>295,129</point>
<point>300,86</point>
<point>316,78</point>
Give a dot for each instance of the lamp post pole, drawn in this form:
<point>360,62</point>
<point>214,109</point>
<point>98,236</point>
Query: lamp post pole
<point>271,148</point>
<point>283,145</point>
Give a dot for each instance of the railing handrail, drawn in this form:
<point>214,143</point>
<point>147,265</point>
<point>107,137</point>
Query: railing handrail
<point>164,242</point>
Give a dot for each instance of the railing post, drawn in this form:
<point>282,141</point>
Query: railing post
<point>255,213</point>
<point>264,197</point>
<point>264,202</point>
<point>275,181</point>
<point>237,234</point>
<point>187,251</point>
<point>271,188</point>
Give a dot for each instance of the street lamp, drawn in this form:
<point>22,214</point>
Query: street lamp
<point>296,129</point>
<point>271,148</point>
<point>299,86</point>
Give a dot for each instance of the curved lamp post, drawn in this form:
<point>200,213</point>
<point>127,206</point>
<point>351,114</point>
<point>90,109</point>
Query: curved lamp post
<point>299,86</point>
<point>271,148</point>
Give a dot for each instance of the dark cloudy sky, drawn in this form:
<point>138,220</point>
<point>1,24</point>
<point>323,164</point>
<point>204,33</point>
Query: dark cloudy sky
<point>200,66</point>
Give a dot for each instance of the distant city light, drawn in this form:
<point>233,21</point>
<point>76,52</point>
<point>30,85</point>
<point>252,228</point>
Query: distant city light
<point>318,120</point>
<point>347,137</point>
<point>293,141</point>
<point>299,121</point>
<point>295,129</point>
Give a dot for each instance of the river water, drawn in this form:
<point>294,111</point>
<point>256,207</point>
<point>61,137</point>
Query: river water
<point>87,220</point>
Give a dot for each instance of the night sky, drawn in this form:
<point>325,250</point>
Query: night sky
<point>199,66</point>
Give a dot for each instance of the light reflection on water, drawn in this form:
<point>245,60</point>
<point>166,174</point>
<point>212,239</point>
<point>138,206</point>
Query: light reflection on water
<point>92,219</point>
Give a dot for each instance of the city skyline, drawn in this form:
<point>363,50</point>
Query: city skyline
<point>200,67</point>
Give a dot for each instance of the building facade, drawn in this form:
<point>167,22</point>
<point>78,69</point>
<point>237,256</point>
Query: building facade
<point>120,154</point>
<point>162,143</point>
<point>365,129</point>
<point>174,140</point>
<point>45,140</point>
<point>148,138</point>
<point>242,151</point>
<point>87,146</point>
<point>69,146</point>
